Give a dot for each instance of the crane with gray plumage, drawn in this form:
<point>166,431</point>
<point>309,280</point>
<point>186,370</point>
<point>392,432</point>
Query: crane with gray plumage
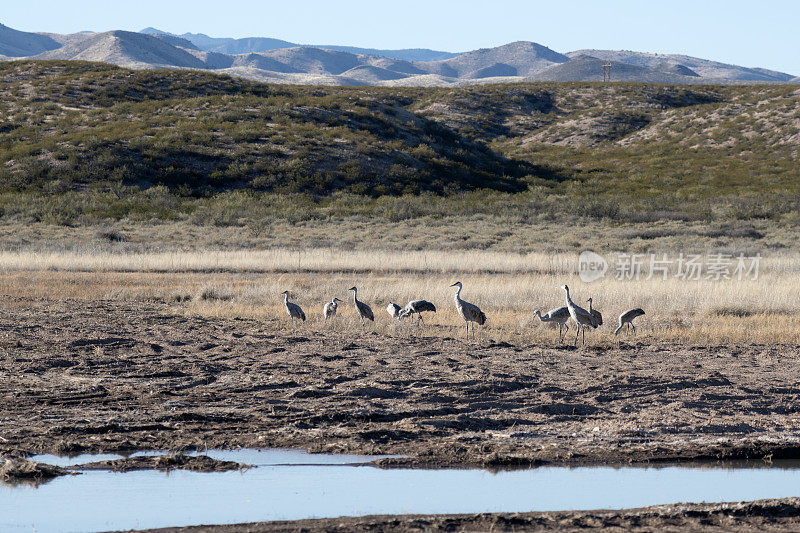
<point>329,309</point>
<point>595,313</point>
<point>580,316</point>
<point>559,316</point>
<point>292,308</point>
<point>627,317</point>
<point>419,307</point>
<point>395,311</point>
<point>469,312</point>
<point>364,311</point>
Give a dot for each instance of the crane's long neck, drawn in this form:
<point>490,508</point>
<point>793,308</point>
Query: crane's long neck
<point>457,297</point>
<point>590,305</point>
<point>538,315</point>
<point>285,297</point>
<point>569,300</point>
<point>355,295</point>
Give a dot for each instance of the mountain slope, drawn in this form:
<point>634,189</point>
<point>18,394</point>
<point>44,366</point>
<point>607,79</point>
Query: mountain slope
<point>15,43</point>
<point>587,68</point>
<point>178,132</point>
<point>127,49</point>
<point>176,41</point>
<point>520,58</point>
<point>314,60</point>
<point>703,67</point>
<point>262,62</point>
<point>370,74</point>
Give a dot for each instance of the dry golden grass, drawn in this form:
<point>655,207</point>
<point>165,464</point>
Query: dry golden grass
<point>286,260</point>
<point>508,287</point>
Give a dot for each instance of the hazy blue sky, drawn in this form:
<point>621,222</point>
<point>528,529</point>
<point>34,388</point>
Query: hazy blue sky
<point>749,33</point>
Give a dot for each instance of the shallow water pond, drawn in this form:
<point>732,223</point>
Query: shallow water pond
<point>288,485</point>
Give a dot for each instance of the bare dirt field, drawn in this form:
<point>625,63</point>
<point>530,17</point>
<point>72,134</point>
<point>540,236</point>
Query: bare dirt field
<point>83,375</point>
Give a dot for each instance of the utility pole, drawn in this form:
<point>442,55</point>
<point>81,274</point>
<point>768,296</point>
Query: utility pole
<point>607,71</point>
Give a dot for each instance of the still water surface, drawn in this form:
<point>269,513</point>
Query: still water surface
<point>290,484</point>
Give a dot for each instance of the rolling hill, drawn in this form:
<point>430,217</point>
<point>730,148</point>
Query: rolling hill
<point>91,143</point>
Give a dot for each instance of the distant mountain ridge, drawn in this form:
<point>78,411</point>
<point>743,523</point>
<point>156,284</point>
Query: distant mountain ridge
<point>277,61</point>
<point>246,45</point>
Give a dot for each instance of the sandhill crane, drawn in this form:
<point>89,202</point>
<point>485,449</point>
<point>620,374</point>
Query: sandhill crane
<point>329,309</point>
<point>595,313</point>
<point>363,309</point>
<point>292,308</point>
<point>469,312</point>
<point>580,316</point>
<point>627,318</point>
<point>395,311</point>
<point>559,315</point>
<point>419,307</point>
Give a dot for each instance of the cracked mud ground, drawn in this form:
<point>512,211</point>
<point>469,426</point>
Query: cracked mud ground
<point>112,375</point>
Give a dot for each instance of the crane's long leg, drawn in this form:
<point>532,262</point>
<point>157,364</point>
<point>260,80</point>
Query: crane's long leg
<point>634,329</point>
<point>577,332</point>
<point>583,335</point>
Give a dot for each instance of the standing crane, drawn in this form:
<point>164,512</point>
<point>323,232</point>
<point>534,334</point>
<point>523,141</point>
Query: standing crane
<point>292,308</point>
<point>469,312</point>
<point>627,317</point>
<point>329,309</point>
<point>559,315</point>
<point>580,316</point>
<point>419,307</point>
<point>595,313</point>
<point>363,309</point>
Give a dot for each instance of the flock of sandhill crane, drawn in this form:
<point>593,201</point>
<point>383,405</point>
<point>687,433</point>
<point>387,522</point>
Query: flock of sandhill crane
<point>472,314</point>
